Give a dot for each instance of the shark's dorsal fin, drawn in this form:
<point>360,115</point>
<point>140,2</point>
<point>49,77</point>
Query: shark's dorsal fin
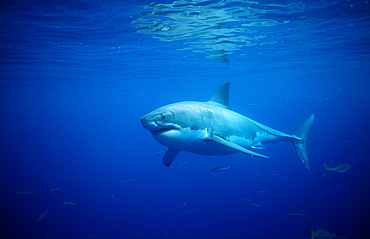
<point>221,95</point>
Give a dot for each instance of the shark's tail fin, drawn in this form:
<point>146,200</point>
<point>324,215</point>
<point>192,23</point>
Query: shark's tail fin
<point>301,145</point>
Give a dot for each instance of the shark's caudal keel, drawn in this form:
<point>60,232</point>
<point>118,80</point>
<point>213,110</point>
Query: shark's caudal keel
<point>211,128</point>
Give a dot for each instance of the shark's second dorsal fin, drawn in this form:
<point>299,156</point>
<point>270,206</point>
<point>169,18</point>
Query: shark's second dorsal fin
<point>221,95</point>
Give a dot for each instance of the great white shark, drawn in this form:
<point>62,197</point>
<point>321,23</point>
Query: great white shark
<point>212,128</point>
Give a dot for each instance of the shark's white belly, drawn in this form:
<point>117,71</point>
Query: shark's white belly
<point>234,128</point>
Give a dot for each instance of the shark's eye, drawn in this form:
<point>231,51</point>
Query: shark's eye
<point>167,116</point>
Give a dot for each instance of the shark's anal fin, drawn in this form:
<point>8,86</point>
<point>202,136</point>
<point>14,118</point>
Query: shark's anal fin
<point>169,156</point>
<point>235,146</point>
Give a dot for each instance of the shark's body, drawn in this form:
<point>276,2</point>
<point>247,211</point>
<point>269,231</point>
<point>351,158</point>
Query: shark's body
<point>211,128</point>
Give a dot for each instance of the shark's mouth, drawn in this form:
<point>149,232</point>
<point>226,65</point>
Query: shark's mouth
<point>162,130</point>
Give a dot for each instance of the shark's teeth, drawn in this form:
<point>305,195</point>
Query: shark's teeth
<point>159,131</point>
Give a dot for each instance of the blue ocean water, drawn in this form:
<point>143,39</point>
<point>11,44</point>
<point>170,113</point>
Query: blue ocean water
<point>77,76</point>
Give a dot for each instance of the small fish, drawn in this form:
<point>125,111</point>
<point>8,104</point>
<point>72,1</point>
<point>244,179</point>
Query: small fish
<point>70,203</point>
<point>311,186</point>
<point>128,180</point>
<point>326,100</point>
<point>260,191</point>
<point>246,199</point>
<point>23,193</point>
<point>220,169</point>
<point>255,205</point>
<point>56,190</point>
<point>343,168</point>
<point>321,234</point>
<point>89,237</point>
<point>182,164</point>
<point>296,214</point>
<point>128,192</point>
<point>41,216</point>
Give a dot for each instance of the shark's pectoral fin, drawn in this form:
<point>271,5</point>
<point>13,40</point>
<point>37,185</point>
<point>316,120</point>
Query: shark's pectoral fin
<point>235,146</point>
<point>169,156</point>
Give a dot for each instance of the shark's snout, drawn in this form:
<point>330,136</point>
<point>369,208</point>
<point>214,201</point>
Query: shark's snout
<point>148,124</point>
<point>154,125</point>
<point>144,121</point>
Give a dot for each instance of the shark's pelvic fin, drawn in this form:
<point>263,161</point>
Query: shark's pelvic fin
<point>258,146</point>
<point>301,145</point>
<point>169,156</point>
<point>221,95</point>
<point>235,146</point>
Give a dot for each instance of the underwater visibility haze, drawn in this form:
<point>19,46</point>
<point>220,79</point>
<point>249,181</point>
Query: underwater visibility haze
<point>78,77</point>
